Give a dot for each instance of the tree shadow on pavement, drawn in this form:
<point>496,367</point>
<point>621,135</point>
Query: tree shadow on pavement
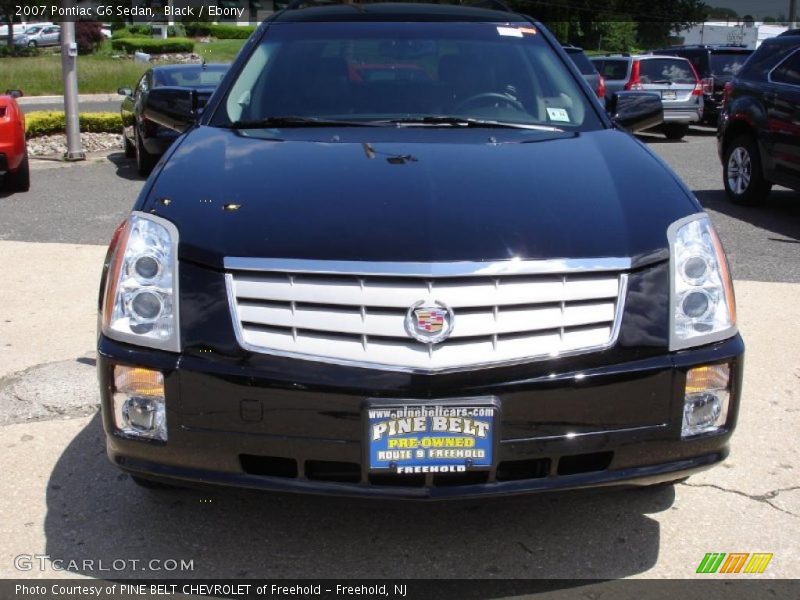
<point>95,512</point>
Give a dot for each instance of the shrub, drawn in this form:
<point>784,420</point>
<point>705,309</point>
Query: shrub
<point>50,122</point>
<point>177,30</point>
<point>152,46</point>
<point>19,51</point>
<point>221,32</point>
<point>88,36</point>
<point>197,29</point>
<point>134,31</point>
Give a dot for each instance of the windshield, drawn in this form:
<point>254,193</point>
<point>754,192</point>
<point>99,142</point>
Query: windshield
<point>402,72</point>
<point>727,64</point>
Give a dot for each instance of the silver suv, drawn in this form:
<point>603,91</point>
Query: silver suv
<point>672,77</point>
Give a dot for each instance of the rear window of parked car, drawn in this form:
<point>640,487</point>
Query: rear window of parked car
<point>661,70</point>
<point>192,75</point>
<point>614,70</point>
<point>727,64</point>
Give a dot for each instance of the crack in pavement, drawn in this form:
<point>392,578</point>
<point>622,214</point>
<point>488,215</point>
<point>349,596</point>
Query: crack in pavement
<point>763,498</point>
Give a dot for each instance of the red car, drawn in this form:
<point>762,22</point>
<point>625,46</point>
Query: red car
<point>14,170</point>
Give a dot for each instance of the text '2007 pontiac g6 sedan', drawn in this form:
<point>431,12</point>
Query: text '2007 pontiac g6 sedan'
<point>403,251</point>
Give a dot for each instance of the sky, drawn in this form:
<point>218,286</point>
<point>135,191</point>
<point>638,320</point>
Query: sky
<point>756,8</point>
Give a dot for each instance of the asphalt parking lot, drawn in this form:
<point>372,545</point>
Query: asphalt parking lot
<point>62,498</point>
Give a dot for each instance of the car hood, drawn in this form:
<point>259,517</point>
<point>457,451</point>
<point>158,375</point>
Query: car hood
<point>415,194</point>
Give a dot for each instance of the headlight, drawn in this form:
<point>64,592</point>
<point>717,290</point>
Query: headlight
<point>702,308</point>
<point>140,304</point>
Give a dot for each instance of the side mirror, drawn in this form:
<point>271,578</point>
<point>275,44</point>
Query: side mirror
<point>125,91</point>
<point>175,108</point>
<point>15,93</point>
<point>636,111</point>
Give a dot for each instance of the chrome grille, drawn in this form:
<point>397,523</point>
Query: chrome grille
<point>353,313</point>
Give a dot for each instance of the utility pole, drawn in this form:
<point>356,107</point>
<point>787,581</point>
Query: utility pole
<point>69,57</point>
<point>792,13</point>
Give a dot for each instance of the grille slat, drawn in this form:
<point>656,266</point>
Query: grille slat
<point>483,292</point>
<point>360,319</point>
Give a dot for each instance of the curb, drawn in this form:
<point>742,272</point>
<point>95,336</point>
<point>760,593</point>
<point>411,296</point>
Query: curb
<point>34,100</point>
<point>39,163</point>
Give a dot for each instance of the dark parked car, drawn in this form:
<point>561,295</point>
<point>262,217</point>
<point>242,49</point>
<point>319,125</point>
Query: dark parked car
<point>146,140</point>
<point>587,69</point>
<point>467,284</point>
<point>759,129</point>
<point>716,66</point>
<point>672,78</point>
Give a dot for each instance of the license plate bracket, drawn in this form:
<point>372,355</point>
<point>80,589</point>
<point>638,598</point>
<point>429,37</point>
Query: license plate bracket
<point>412,437</point>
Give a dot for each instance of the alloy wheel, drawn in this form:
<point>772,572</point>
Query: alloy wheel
<point>740,170</point>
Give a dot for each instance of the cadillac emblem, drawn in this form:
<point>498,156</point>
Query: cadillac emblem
<point>430,323</point>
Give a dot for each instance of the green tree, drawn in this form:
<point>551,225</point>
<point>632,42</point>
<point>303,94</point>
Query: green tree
<point>7,18</point>
<point>614,36</point>
<point>655,20</point>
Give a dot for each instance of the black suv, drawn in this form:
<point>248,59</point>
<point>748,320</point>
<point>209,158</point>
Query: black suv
<point>759,129</point>
<point>716,66</point>
<point>404,252</point>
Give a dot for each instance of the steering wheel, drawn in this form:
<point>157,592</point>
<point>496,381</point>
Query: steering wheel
<point>505,98</point>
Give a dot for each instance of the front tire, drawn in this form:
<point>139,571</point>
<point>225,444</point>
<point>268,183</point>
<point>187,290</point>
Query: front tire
<point>742,174</point>
<point>676,131</point>
<point>130,149</point>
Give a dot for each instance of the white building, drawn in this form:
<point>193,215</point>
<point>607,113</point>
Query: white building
<point>749,35</point>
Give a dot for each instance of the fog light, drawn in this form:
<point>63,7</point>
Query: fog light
<point>705,406</point>
<point>139,407</point>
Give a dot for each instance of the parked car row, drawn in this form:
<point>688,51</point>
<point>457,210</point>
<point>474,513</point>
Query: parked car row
<point>715,66</point>
<point>672,78</point>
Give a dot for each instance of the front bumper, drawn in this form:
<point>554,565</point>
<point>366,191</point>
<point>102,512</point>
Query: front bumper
<point>268,429</point>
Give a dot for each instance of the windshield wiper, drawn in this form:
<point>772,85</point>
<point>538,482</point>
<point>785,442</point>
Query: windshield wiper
<point>467,122</point>
<point>292,121</point>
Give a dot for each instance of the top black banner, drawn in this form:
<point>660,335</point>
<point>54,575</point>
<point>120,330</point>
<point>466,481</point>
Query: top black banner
<point>673,12</point>
<point>138,11</point>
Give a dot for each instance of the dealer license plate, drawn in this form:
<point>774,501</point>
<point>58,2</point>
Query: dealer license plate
<point>409,438</point>
<point>669,95</point>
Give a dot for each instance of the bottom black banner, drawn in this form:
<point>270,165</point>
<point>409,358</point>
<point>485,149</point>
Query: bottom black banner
<point>401,589</point>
